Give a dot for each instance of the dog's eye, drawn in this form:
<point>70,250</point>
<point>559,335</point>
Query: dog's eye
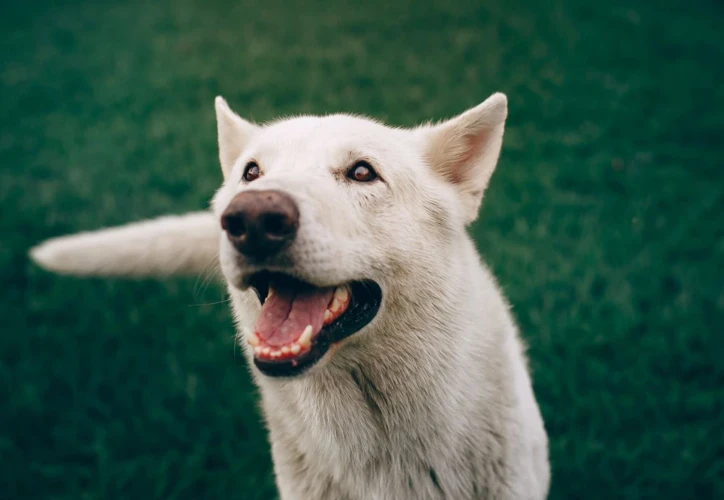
<point>251,172</point>
<point>362,172</point>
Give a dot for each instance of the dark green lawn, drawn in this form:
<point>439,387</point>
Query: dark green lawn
<point>604,224</point>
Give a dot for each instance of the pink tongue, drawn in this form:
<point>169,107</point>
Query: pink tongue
<point>286,314</point>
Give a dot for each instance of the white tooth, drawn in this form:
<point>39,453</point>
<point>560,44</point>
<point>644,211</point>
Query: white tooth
<point>327,315</point>
<point>265,351</point>
<point>270,292</point>
<point>295,348</point>
<point>285,350</point>
<point>335,306</point>
<point>305,340</point>
<point>341,294</point>
<point>252,339</point>
<point>276,354</point>
<point>257,351</point>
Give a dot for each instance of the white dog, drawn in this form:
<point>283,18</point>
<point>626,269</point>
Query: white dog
<point>388,362</point>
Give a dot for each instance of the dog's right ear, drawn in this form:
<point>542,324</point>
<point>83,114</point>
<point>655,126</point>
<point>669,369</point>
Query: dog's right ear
<point>234,134</point>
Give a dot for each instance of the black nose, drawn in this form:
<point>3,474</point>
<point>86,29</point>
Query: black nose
<point>261,223</point>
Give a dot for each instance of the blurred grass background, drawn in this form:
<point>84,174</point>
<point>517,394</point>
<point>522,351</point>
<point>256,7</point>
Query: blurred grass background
<point>603,223</point>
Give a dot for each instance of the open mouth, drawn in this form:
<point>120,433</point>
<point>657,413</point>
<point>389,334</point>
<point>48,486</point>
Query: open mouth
<point>299,322</point>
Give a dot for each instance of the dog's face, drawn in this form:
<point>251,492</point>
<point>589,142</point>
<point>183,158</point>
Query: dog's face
<point>323,216</point>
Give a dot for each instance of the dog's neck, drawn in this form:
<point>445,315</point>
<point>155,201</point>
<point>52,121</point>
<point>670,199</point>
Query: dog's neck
<point>398,382</point>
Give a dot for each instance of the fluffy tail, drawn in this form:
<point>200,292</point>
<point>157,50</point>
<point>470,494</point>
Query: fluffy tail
<point>171,245</point>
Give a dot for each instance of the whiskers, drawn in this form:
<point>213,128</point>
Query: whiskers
<point>212,271</point>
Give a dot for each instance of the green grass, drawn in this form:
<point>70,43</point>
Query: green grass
<point>604,224</point>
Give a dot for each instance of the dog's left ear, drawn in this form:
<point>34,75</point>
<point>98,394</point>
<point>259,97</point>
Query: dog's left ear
<point>234,134</point>
<point>465,149</point>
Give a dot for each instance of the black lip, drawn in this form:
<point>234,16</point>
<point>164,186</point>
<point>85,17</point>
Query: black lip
<point>365,301</point>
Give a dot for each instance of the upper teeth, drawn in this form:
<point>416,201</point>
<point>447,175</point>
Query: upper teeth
<point>341,294</point>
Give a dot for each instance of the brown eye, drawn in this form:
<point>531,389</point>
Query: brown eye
<point>251,172</point>
<point>362,172</point>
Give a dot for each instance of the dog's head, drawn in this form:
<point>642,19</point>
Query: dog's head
<point>327,217</point>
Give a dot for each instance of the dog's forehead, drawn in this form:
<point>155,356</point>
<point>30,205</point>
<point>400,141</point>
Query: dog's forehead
<point>325,136</point>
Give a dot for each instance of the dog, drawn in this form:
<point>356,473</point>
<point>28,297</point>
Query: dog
<point>388,362</point>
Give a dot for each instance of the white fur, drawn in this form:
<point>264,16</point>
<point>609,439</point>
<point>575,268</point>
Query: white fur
<point>168,245</point>
<point>433,398</point>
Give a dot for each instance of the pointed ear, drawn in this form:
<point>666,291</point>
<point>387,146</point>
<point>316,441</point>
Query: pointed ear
<point>465,149</point>
<point>234,134</point>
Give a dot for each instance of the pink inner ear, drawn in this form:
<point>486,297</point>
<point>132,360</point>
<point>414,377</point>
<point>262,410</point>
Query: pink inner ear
<point>459,167</point>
